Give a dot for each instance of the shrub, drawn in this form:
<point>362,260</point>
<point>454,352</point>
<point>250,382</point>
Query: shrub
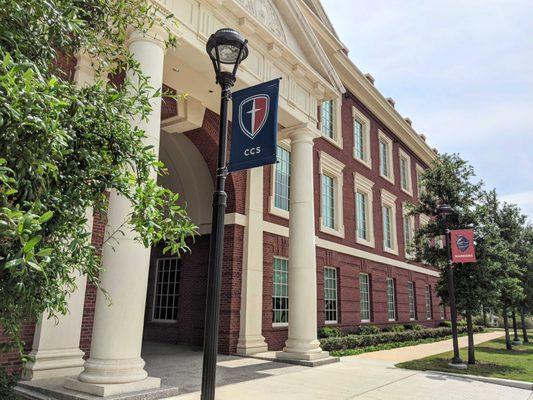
<point>393,328</point>
<point>364,330</point>
<point>445,324</point>
<point>412,327</point>
<point>7,382</point>
<point>461,322</point>
<point>356,341</point>
<point>328,332</point>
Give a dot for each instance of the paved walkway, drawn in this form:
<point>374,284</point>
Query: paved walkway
<point>353,378</point>
<point>428,349</point>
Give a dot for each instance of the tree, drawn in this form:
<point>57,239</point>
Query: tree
<point>449,181</point>
<point>526,260</point>
<point>62,148</point>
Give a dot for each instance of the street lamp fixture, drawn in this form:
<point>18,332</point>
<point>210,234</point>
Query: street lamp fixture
<point>443,212</point>
<point>225,46</point>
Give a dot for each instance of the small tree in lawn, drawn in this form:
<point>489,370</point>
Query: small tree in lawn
<point>63,147</point>
<point>510,222</point>
<point>449,181</point>
<point>526,261</point>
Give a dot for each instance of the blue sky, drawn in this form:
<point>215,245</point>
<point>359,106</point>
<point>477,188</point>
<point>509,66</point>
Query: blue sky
<point>462,70</point>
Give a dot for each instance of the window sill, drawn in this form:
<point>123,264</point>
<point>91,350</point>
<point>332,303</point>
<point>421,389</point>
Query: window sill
<point>331,322</point>
<point>279,212</point>
<point>335,232</point>
<point>412,319</point>
<point>364,242</point>
<point>389,179</point>
<point>365,321</point>
<point>409,192</point>
<point>392,320</point>
<point>280,324</point>
<point>390,251</point>
<point>334,141</point>
<point>366,163</point>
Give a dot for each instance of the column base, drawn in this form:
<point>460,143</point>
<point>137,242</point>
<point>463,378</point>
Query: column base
<point>307,360</point>
<point>251,345</point>
<point>48,364</point>
<point>111,389</point>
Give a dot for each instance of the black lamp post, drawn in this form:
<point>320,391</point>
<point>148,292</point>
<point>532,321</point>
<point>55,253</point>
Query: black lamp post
<point>225,46</point>
<point>443,211</point>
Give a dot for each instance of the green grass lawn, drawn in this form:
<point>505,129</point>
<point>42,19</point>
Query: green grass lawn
<point>492,359</point>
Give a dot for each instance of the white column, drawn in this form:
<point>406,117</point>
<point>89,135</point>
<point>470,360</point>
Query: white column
<point>251,340</point>
<point>55,351</point>
<point>302,343</point>
<point>115,365</point>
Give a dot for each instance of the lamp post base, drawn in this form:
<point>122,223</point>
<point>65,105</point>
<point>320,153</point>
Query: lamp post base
<point>458,364</point>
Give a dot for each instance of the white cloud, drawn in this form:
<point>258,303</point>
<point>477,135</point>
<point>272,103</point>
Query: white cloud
<point>523,199</point>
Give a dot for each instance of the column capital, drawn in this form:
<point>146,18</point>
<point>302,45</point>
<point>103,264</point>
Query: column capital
<point>305,132</point>
<point>156,34</point>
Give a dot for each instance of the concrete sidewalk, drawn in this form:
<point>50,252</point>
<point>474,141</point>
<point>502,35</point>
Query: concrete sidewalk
<point>425,350</point>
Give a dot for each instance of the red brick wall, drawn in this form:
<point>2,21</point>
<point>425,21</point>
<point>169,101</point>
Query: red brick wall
<point>11,360</point>
<point>348,270</point>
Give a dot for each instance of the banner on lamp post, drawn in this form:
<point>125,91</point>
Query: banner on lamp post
<point>462,242</point>
<point>254,126</point>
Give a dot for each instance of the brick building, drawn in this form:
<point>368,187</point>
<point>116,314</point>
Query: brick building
<point>321,238</point>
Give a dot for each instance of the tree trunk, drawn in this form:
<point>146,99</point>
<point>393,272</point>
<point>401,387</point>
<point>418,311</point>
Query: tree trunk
<point>484,318</point>
<point>516,339</point>
<point>524,328</point>
<point>508,345</point>
<point>471,350</point>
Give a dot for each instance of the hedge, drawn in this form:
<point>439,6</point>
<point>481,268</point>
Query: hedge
<point>355,341</point>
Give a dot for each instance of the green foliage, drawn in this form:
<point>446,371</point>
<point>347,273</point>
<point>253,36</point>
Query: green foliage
<point>327,332</point>
<point>63,147</point>
<point>413,327</point>
<point>364,330</point>
<point>7,381</point>
<point>445,324</point>
<point>357,341</point>
<point>393,328</point>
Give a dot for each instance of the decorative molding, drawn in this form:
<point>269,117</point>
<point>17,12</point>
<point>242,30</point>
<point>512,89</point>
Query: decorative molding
<point>265,12</point>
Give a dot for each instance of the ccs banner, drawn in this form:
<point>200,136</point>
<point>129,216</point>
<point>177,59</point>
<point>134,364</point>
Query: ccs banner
<point>462,242</point>
<point>255,126</point>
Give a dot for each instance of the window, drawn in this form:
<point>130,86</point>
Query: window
<point>280,295</point>
<point>330,295</point>
<point>361,133</point>
<point>282,185</point>
<point>429,313</point>
<point>408,232</point>
<point>387,228</point>
<point>363,210</point>
<point>331,195</point>
<point>391,300</point>
<point>328,201</point>
<point>167,289</point>
<point>419,183</point>
<point>385,157</point>
<point>411,298</point>
<point>388,218</point>
<point>405,172</point>
<point>326,118</point>
<point>364,293</point>
<point>442,310</point>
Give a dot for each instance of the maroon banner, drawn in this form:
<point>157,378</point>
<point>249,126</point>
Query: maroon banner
<point>462,242</point>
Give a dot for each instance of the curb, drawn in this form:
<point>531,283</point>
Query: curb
<point>496,381</point>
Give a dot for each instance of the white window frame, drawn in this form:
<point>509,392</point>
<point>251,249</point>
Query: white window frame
<point>404,156</point>
<point>336,296</point>
<point>365,124</point>
<point>406,245</point>
<point>364,186</point>
<point>419,186</point>
<point>387,140</point>
<point>442,310</point>
<point>336,121</point>
<point>176,287</point>
<point>280,212</point>
<point>280,324</point>
<point>391,299</point>
<point>389,200</point>
<point>369,298</point>
<point>428,302</point>
<point>333,168</point>
<point>411,300</point>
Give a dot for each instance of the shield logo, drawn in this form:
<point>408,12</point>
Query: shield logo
<point>462,243</point>
<point>253,114</point>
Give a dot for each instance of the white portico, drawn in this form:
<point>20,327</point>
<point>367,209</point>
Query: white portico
<point>282,45</point>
